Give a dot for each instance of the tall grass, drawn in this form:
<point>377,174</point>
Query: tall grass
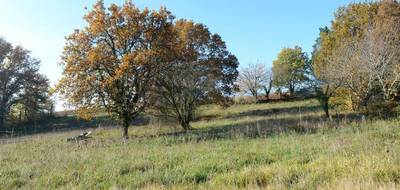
<point>270,146</point>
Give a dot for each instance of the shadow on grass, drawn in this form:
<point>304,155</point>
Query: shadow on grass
<point>274,111</point>
<point>263,128</point>
<point>274,124</point>
<point>304,109</point>
<point>54,124</point>
<point>65,124</point>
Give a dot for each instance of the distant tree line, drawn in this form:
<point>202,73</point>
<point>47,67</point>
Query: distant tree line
<point>24,92</point>
<point>289,74</point>
<point>355,63</point>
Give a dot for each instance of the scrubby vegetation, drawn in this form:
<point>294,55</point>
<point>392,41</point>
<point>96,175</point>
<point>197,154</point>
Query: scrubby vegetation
<point>267,146</point>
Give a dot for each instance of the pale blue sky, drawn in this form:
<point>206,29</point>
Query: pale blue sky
<point>254,30</point>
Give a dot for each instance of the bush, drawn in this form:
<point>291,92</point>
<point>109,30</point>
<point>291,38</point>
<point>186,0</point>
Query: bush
<point>382,109</point>
<point>342,100</point>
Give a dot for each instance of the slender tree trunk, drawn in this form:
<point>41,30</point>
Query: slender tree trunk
<point>255,96</point>
<point>325,106</point>
<point>365,102</point>
<point>1,121</point>
<point>125,135</point>
<point>291,90</point>
<point>324,101</point>
<point>125,126</point>
<point>2,117</point>
<point>267,92</point>
<point>185,123</point>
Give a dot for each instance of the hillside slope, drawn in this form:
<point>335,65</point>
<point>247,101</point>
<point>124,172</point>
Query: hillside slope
<point>263,146</point>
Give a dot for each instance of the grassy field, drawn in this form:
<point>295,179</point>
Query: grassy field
<point>263,146</point>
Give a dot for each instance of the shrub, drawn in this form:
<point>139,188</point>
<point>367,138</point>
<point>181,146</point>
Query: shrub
<point>382,108</point>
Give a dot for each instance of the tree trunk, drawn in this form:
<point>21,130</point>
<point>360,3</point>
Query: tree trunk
<point>291,91</point>
<point>1,121</point>
<point>267,92</point>
<point>280,94</point>
<point>125,126</point>
<point>125,135</point>
<point>2,118</point>
<point>325,106</point>
<point>186,126</point>
<point>185,123</point>
<point>324,100</point>
<point>255,96</point>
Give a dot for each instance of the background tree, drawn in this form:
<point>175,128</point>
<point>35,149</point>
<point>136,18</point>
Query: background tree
<point>203,70</point>
<point>327,71</point>
<point>35,97</point>
<point>361,46</point>
<point>16,69</point>
<point>348,30</point>
<point>380,49</point>
<point>253,78</point>
<point>268,84</point>
<point>289,69</point>
<point>113,61</point>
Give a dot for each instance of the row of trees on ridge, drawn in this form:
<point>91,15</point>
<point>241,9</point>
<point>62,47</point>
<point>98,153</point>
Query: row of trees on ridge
<point>355,63</point>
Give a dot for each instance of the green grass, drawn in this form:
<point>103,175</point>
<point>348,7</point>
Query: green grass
<point>263,146</point>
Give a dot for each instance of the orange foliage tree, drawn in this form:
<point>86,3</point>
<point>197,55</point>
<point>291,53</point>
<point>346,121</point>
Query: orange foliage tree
<point>112,62</point>
<point>203,70</point>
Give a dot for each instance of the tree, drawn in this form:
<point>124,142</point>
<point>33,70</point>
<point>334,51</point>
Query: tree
<point>289,69</point>
<point>16,67</point>
<point>330,55</point>
<point>268,83</point>
<point>203,70</point>
<point>112,63</point>
<point>360,48</point>
<point>328,73</point>
<point>35,96</point>
<point>348,31</point>
<point>381,49</point>
<point>254,78</point>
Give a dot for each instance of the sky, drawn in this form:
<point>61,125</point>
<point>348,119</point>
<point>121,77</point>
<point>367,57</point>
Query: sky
<point>254,30</point>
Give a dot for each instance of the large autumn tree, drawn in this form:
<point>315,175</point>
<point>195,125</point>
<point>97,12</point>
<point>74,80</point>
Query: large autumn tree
<point>335,51</point>
<point>327,77</point>
<point>112,62</point>
<point>380,49</point>
<point>359,54</point>
<point>203,70</point>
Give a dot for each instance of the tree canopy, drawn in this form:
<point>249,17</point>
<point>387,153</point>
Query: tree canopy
<point>20,81</point>
<point>289,69</point>
<point>359,53</point>
<point>125,56</point>
<point>202,71</point>
<point>254,78</point>
<point>112,62</point>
